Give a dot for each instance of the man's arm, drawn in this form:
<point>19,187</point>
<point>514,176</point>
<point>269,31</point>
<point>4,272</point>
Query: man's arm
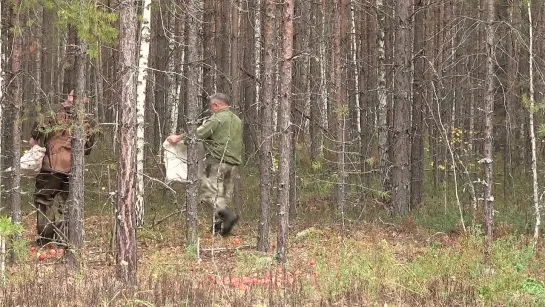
<point>208,128</point>
<point>203,132</point>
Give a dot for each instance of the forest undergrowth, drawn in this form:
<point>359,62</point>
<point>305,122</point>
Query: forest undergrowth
<point>369,260</point>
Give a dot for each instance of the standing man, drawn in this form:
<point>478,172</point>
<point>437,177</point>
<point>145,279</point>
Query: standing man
<point>221,135</point>
<point>53,133</point>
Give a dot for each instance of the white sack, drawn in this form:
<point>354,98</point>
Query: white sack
<point>175,157</point>
<point>31,162</point>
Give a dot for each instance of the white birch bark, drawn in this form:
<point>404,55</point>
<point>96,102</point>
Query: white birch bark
<point>173,89</point>
<point>140,110</point>
<point>531,124</point>
<point>382,101</point>
<point>355,63</point>
<point>323,78</point>
<point>257,47</point>
<point>487,160</point>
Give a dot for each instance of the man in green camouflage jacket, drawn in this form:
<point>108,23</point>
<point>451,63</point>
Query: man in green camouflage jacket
<point>221,135</point>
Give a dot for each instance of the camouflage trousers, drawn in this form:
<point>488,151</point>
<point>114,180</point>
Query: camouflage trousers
<point>51,225</point>
<point>216,184</point>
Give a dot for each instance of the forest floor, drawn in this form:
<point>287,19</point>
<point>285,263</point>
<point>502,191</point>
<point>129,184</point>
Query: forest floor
<point>425,259</point>
<point>360,264</point>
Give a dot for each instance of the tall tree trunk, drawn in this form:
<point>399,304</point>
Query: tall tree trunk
<point>531,124</point>
<point>315,121</point>
<point>69,78</point>
<point>195,10</point>
<point>383,141</point>
<point>98,109</point>
<point>257,54</point>
<point>15,96</point>
<point>126,257</point>
<point>417,148</point>
<point>354,44</point>
<point>285,131</point>
<point>488,130</point>
<point>76,195</point>
<point>173,87</point>
<point>2,103</point>
<point>267,129</point>
<point>401,176</point>
<point>324,90</point>
<point>49,53</point>
<point>161,53</point>
<point>341,109</point>
<point>141,109</point>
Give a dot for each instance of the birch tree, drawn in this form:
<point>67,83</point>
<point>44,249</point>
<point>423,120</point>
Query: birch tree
<point>145,33</point>
<point>383,144</point>
<point>531,123</point>
<point>257,54</point>
<point>126,258</point>
<point>323,76</point>
<point>354,45</point>
<point>267,129</point>
<point>173,86</point>
<point>488,130</point>
<point>285,131</point>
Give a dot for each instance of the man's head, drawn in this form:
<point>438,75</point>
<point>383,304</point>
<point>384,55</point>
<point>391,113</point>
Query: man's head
<point>217,102</point>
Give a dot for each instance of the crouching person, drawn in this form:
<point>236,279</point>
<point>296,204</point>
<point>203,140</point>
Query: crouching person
<point>221,135</point>
<point>53,181</point>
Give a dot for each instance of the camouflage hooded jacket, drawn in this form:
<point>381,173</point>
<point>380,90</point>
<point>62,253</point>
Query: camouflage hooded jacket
<point>54,133</point>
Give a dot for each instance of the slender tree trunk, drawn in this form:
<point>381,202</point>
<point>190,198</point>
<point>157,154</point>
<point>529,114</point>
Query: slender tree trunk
<point>15,96</point>
<point>488,126</point>
<point>126,257</point>
<point>50,53</point>
<point>354,45</point>
<point>98,109</point>
<point>315,120</point>
<point>324,91</point>
<point>401,176</point>
<point>76,195</point>
<point>511,105</point>
<point>341,109</point>
<point>195,11</point>
<point>285,131</point>
<point>69,78</point>
<point>2,103</point>
<point>531,124</point>
<point>161,53</point>
<point>267,129</point>
<point>141,109</point>
<point>37,69</point>
<point>257,54</point>
<point>383,143</point>
<point>417,148</point>
<point>172,96</point>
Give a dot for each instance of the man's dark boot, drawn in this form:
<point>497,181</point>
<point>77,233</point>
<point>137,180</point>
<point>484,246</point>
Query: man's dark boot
<point>216,227</point>
<point>229,221</point>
